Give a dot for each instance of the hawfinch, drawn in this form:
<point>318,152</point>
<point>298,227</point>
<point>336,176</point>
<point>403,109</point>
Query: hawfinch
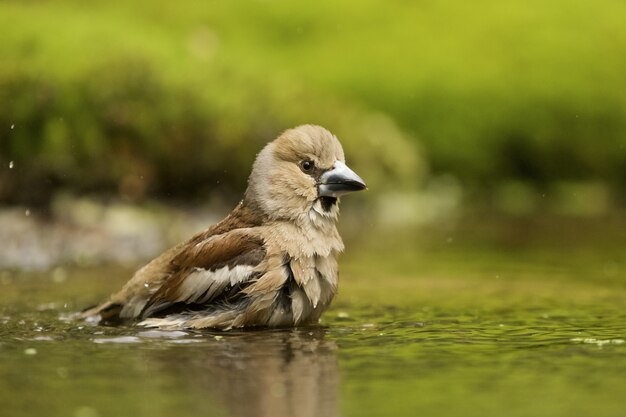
<point>272,262</point>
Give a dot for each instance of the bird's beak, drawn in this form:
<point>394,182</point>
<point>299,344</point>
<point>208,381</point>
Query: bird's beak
<point>340,180</point>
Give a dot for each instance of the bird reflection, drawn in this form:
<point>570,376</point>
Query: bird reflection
<point>267,373</point>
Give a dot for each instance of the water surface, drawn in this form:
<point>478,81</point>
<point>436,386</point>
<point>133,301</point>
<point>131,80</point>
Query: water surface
<point>446,331</point>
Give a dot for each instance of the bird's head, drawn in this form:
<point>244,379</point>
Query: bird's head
<point>301,174</point>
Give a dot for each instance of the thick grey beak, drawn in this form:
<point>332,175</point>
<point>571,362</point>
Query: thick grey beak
<point>340,180</point>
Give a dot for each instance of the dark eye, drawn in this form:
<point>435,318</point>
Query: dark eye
<point>307,165</point>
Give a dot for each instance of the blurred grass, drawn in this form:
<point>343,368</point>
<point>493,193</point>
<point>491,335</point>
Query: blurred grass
<point>175,98</point>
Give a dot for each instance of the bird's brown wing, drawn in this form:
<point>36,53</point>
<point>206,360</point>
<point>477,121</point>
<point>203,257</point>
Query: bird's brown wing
<point>208,273</point>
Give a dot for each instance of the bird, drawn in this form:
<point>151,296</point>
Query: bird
<point>270,263</point>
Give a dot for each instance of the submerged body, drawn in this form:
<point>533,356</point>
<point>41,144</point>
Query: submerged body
<point>272,262</point>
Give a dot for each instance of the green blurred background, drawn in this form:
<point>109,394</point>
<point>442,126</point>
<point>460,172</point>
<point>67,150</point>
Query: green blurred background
<point>519,105</point>
<point>484,271</point>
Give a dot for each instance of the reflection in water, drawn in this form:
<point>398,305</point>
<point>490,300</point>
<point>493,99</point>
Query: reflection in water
<point>267,373</point>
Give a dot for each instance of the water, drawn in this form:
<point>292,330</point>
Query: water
<point>444,331</point>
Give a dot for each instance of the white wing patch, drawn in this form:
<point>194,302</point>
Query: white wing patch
<point>202,285</point>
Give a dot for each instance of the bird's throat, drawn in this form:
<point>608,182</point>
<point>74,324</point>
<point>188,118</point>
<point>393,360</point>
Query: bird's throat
<point>327,203</point>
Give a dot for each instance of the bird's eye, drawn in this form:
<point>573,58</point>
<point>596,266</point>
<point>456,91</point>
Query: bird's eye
<point>307,165</point>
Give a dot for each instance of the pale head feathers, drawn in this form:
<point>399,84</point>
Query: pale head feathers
<point>281,190</point>
<point>309,142</point>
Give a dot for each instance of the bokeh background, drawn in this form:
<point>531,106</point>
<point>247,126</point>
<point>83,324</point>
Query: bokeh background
<point>484,273</point>
<point>520,104</point>
<point>115,115</point>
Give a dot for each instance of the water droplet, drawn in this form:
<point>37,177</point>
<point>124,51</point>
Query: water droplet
<point>11,164</point>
